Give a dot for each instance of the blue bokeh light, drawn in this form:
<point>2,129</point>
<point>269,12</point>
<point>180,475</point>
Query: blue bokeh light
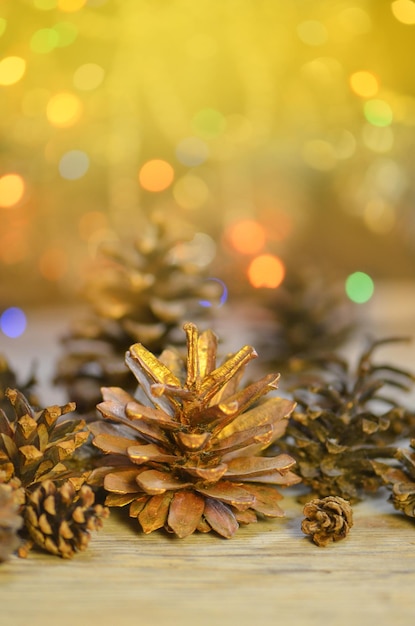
<point>13,322</point>
<point>223,297</point>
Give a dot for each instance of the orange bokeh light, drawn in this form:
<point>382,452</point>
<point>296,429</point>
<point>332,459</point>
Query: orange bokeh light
<point>266,270</point>
<point>247,236</point>
<point>156,175</point>
<point>12,188</point>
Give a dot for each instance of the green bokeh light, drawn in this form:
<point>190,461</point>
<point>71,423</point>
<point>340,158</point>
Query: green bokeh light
<point>67,33</point>
<point>44,40</point>
<point>209,122</point>
<point>378,112</point>
<point>359,287</point>
<point>3,24</point>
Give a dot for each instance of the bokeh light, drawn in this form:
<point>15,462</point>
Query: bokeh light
<point>64,109</point>
<point>44,40</point>
<point>45,5</point>
<point>88,76</point>
<point>359,287</point>
<point>73,164</point>
<point>156,175</point>
<point>378,112</point>
<point>12,70</point>
<point>404,11</point>
<point>3,25</point>
<point>71,6</point>
<point>312,32</point>
<point>13,322</point>
<point>364,84</point>
<point>190,192</point>
<point>246,236</point>
<point>222,299</point>
<point>209,122</point>
<point>67,33</point>
<point>12,188</point>
<point>266,270</point>
<point>192,151</point>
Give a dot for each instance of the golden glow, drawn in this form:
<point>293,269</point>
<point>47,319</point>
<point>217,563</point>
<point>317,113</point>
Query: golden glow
<point>190,192</point>
<point>12,70</point>
<point>156,175</point>
<point>14,246</point>
<point>12,188</point>
<point>70,6</point>
<point>364,84</point>
<point>319,154</point>
<point>88,76</point>
<point>53,263</point>
<point>404,11</point>
<point>267,271</point>
<point>64,109</point>
<point>247,236</point>
<point>90,223</point>
<point>379,217</point>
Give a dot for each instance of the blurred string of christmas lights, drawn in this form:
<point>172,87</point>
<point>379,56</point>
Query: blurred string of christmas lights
<point>265,123</point>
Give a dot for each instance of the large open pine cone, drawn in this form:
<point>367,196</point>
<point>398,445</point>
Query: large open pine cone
<point>143,292</point>
<point>186,456</point>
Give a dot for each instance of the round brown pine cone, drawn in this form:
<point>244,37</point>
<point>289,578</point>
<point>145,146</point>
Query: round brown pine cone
<point>59,519</point>
<point>10,521</point>
<point>327,519</point>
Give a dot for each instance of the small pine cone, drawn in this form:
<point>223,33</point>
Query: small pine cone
<point>403,498</point>
<point>327,519</point>
<point>10,521</point>
<point>59,519</point>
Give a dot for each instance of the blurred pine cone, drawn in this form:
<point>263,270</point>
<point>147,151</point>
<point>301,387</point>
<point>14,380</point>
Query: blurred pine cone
<point>340,427</point>
<point>59,519</point>
<point>141,293</point>
<point>400,479</point>
<point>8,380</point>
<point>311,314</point>
<point>10,521</point>
<point>186,455</point>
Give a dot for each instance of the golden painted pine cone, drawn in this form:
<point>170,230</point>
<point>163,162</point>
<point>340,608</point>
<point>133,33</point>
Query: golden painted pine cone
<point>187,455</point>
<point>10,521</point>
<point>327,519</point>
<point>60,519</point>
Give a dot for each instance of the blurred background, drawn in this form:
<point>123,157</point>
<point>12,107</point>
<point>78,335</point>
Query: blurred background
<point>276,128</point>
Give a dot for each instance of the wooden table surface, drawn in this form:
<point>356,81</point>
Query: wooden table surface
<point>268,573</point>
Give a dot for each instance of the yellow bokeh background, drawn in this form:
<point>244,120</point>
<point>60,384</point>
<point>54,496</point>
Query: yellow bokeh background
<point>298,115</point>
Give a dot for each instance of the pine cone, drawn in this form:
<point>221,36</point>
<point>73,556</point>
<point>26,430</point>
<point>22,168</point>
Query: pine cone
<point>327,519</point>
<point>10,521</point>
<point>59,519</point>
<point>401,479</point>
<point>33,445</point>
<point>311,313</point>
<point>341,431</point>
<point>186,454</point>
<point>141,294</point>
